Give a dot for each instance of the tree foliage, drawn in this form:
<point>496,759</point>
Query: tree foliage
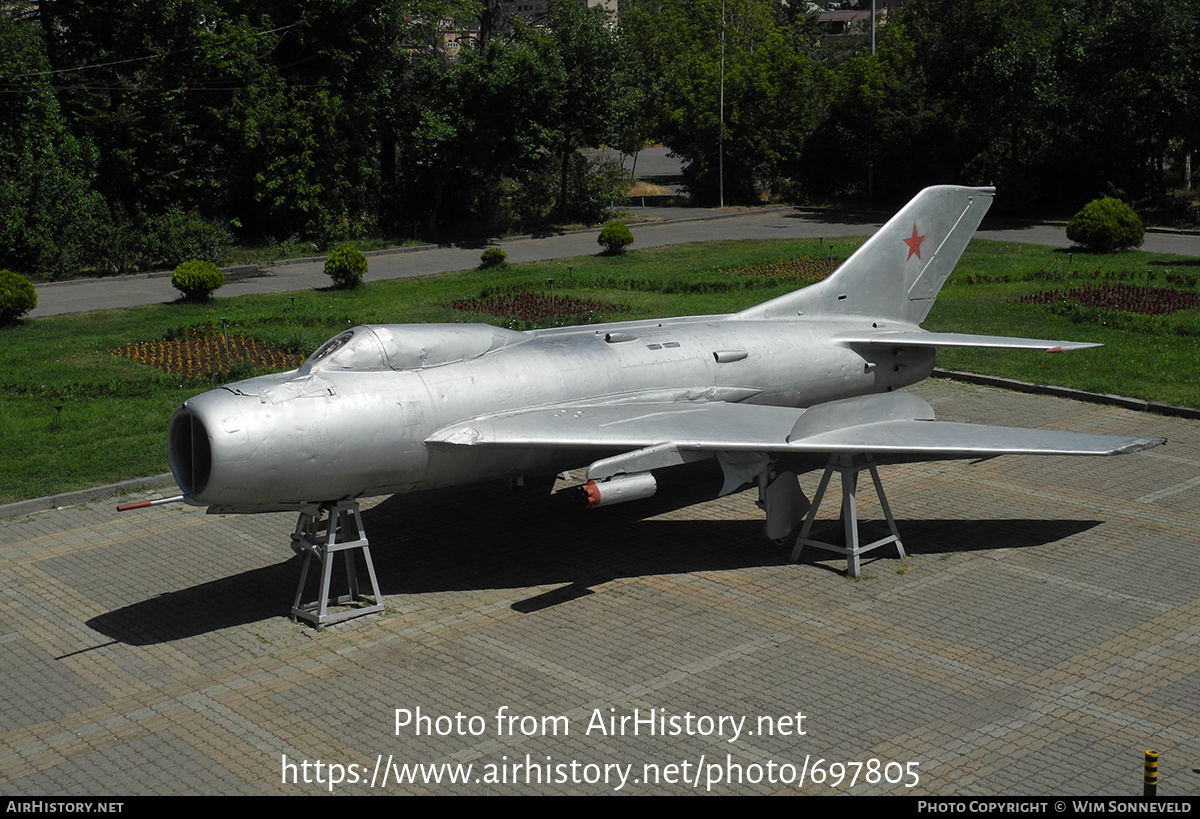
<point>773,93</point>
<point>46,172</point>
<point>262,110</point>
<point>585,86</point>
<point>1049,99</point>
<point>493,134</point>
<point>881,132</point>
<point>142,134</point>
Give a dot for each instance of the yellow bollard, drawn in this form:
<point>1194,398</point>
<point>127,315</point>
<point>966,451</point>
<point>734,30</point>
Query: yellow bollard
<point>1150,776</point>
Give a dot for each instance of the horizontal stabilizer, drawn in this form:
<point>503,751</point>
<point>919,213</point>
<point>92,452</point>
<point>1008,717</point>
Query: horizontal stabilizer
<point>920,338</point>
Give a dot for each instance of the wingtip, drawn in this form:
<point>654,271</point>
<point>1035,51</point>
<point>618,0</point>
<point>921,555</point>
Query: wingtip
<point>1070,346</point>
<point>1140,445</point>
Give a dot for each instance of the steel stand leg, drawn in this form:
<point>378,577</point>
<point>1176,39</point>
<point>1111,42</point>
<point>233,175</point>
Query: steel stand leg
<point>848,466</point>
<point>321,532</point>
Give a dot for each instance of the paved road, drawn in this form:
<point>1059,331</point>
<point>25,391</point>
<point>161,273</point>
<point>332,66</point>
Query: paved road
<point>684,225</point>
<point>1044,631</point>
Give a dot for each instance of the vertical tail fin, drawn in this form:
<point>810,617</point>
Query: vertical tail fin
<point>898,272</point>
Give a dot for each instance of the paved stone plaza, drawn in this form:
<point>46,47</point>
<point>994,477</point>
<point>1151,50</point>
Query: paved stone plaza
<point>1043,632</point>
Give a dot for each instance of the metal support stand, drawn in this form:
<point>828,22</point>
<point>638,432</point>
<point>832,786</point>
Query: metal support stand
<point>322,533</point>
<point>848,466</point>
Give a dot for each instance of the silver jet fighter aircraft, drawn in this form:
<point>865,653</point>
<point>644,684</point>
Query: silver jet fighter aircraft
<point>807,379</point>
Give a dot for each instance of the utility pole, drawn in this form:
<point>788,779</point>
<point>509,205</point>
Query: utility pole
<point>872,28</point>
<point>871,133</point>
<point>721,127</point>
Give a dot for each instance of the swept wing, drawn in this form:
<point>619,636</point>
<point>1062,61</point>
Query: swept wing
<point>893,424</point>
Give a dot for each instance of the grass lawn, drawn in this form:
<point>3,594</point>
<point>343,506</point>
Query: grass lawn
<point>114,411</point>
<point>1156,358</point>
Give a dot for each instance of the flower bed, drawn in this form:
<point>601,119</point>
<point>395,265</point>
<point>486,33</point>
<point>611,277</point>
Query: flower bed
<point>801,267</point>
<point>1128,298</point>
<point>207,355</point>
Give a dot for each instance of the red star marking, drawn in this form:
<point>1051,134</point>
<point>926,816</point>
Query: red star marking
<point>914,244</point>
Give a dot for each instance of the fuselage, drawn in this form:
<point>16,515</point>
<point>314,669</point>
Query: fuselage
<point>354,420</point>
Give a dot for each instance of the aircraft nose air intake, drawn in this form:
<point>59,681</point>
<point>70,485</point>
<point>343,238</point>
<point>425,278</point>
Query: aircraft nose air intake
<point>189,451</point>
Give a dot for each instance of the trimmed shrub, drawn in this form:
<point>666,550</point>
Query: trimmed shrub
<point>491,257</point>
<point>17,296</point>
<point>1106,224</point>
<point>197,280</point>
<point>615,237</point>
<point>346,266</point>
<point>173,237</point>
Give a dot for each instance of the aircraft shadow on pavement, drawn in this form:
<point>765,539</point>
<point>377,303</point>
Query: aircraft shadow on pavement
<point>459,540</point>
<point>838,217</point>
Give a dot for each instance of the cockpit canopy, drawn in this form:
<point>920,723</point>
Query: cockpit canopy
<point>373,347</point>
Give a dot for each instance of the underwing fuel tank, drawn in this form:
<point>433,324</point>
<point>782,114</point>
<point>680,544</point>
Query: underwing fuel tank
<point>617,489</point>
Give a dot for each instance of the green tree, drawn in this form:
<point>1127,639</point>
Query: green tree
<point>124,73</point>
<point>268,113</point>
<point>1050,100</point>
<point>586,84</point>
<point>45,171</point>
<point>988,69</point>
<point>875,139</point>
<point>773,93</point>
<point>1133,89</point>
<point>476,135</point>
